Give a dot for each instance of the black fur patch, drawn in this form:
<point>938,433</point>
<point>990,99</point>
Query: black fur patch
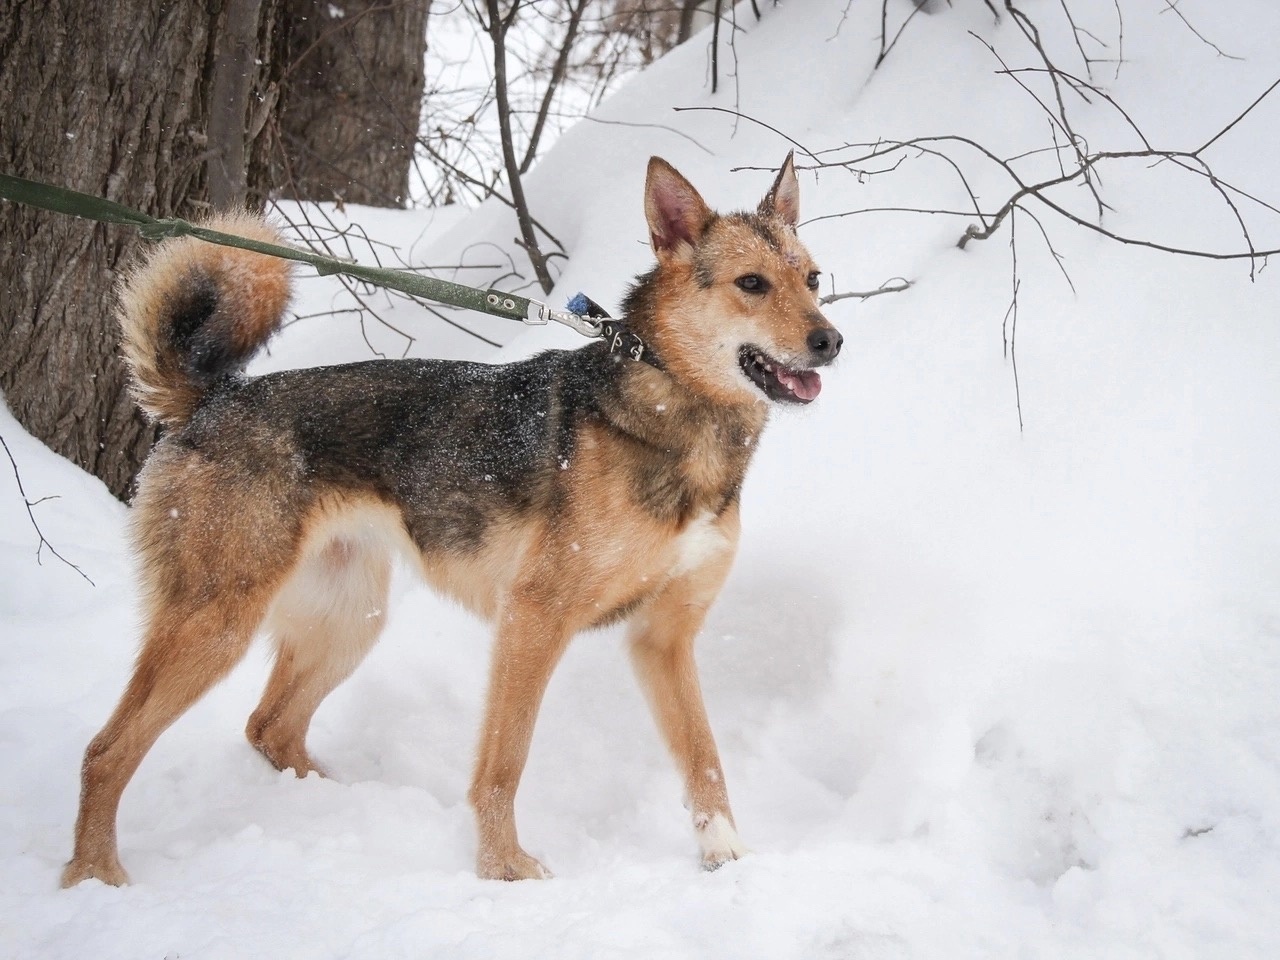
<point>455,445</point>
<point>638,305</point>
<point>704,274</point>
<point>200,332</point>
<point>206,353</point>
<point>758,225</point>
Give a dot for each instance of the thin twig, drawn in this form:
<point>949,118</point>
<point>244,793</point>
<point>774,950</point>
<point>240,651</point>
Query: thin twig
<point>886,49</point>
<point>29,503</point>
<point>557,75</point>
<point>1171,7</point>
<point>654,126</point>
<point>1009,329</point>
<point>893,285</point>
<point>1223,132</point>
<point>743,116</point>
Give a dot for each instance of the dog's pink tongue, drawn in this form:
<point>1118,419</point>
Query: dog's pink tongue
<point>805,384</point>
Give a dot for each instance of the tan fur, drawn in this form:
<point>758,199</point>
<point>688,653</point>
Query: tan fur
<point>239,536</point>
<point>257,290</point>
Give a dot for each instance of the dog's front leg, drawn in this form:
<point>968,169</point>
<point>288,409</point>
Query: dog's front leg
<point>662,638</point>
<point>529,643</point>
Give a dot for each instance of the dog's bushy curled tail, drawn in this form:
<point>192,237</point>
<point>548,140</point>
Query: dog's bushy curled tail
<point>193,313</point>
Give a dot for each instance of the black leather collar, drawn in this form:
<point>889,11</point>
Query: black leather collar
<point>622,341</point>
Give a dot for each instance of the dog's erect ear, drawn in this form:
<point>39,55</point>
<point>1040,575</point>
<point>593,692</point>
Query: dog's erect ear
<point>676,211</point>
<point>783,198</point>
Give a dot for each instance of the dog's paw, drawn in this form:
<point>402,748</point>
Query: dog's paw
<point>718,839</point>
<point>283,753</point>
<point>77,871</point>
<point>516,865</point>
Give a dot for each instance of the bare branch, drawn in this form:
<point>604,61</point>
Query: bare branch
<point>498,27</point>
<point>886,45</point>
<point>29,503</point>
<point>715,48</point>
<point>742,116</point>
<point>557,75</point>
<point>324,238</point>
<point>1009,328</point>
<point>652,126</point>
<point>1078,163</point>
<point>1172,7</point>
<point>893,285</point>
<point>1223,132</point>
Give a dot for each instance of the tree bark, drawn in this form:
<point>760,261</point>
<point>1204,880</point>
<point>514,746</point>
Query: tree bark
<point>688,13</point>
<point>351,99</point>
<point>233,75</point>
<point>111,99</point>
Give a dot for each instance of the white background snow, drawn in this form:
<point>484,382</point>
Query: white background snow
<point>978,692</point>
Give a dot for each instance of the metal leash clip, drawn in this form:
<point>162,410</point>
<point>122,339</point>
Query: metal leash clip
<point>539,313</point>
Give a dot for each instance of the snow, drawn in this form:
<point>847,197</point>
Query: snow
<point>978,692</point>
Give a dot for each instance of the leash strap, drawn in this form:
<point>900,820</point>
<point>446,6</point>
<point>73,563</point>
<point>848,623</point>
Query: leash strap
<point>496,303</point>
<point>60,200</point>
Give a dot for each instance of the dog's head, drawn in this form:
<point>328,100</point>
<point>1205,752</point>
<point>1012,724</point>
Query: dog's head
<point>734,308</point>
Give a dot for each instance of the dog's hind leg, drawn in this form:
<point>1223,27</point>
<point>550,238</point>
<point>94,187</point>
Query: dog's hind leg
<point>662,636</point>
<point>324,621</point>
<point>189,647</point>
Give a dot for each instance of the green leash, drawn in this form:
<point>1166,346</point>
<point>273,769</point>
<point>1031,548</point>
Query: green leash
<point>493,302</point>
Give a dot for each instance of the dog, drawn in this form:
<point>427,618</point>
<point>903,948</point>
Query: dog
<point>568,491</point>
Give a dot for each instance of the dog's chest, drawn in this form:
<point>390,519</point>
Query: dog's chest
<point>701,541</point>
<point>643,558</point>
<point>677,483</point>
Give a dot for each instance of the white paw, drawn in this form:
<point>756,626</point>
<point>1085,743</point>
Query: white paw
<point>718,839</point>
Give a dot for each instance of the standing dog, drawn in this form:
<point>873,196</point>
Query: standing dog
<point>551,495</point>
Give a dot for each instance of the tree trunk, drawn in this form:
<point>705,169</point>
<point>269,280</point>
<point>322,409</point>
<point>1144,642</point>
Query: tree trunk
<point>112,99</point>
<point>688,14</point>
<point>351,99</point>
<point>233,75</point>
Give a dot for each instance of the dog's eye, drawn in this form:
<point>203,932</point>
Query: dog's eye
<point>753,283</point>
<point>812,280</point>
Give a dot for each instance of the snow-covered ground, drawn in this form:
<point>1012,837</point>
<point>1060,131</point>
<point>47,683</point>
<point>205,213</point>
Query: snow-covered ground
<point>979,692</point>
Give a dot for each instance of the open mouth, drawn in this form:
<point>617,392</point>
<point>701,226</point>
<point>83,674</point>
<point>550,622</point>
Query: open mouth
<point>776,380</point>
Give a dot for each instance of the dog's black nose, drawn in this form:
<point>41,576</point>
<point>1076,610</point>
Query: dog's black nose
<point>825,343</point>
